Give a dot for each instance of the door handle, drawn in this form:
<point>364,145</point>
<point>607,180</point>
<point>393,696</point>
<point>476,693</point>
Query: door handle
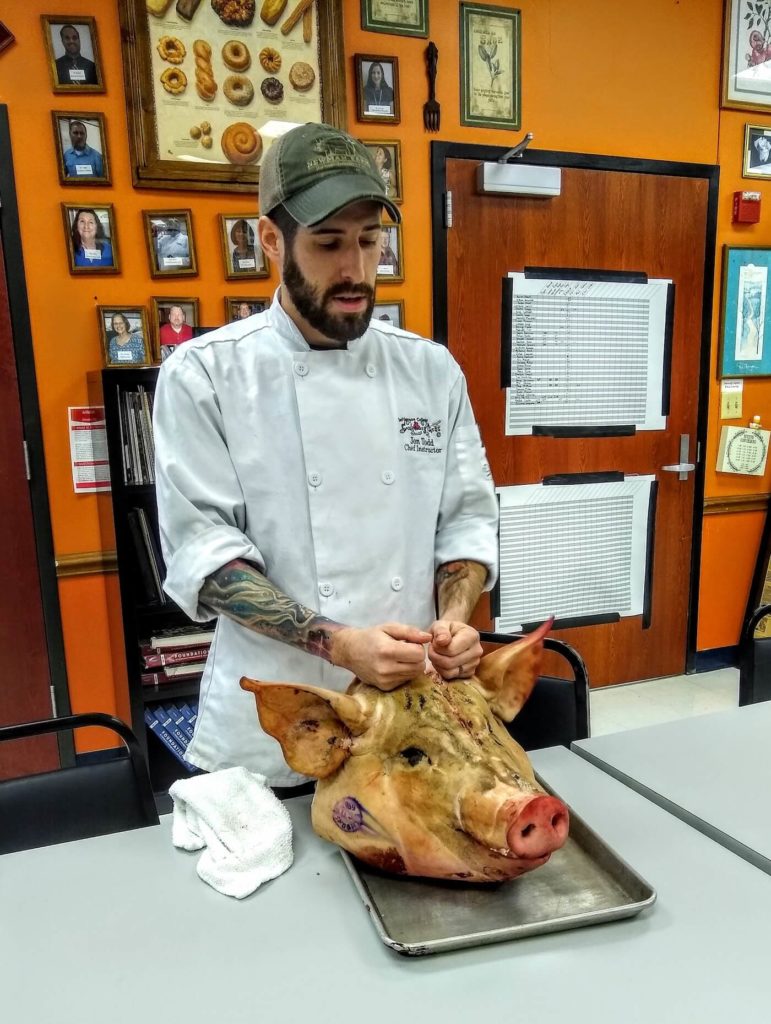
<point>683,467</point>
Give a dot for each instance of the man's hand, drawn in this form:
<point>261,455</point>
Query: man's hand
<point>384,656</point>
<point>455,650</point>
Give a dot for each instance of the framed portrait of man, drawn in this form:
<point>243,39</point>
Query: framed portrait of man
<point>73,53</point>
<point>175,321</point>
<point>391,263</point>
<point>170,246</point>
<point>389,313</point>
<point>239,307</point>
<point>241,247</point>
<point>377,88</point>
<point>123,331</point>
<point>757,151</point>
<point>92,243</point>
<point>81,146</point>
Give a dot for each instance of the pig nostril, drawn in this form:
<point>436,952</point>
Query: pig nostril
<point>527,830</point>
<point>556,820</point>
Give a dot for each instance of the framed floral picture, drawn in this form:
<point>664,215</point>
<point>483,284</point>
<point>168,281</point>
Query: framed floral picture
<point>239,307</point>
<point>745,342</point>
<point>81,146</point>
<point>241,250</point>
<point>92,243</point>
<point>490,44</point>
<point>170,246</point>
<point>747,55</point>
<point>73,52</point>
<point>125,340</point>
<point>387,154</point>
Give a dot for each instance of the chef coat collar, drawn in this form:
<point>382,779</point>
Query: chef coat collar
<point>288,329</point>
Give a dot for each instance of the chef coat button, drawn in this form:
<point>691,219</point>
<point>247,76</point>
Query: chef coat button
<point>301,369</point>
<point>397,583</point>
<point>387,476</point>
<point>314,479</point>
<point>326,589</point>
<point>370,369</point>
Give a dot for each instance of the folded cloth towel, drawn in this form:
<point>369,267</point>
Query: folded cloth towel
<point>244,831</point>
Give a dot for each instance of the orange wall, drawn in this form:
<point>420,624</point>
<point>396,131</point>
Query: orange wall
<point>589,84</point>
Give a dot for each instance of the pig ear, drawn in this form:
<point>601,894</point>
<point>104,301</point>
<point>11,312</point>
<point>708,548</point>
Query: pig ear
<point>312,725</point>
<point>506,677</point>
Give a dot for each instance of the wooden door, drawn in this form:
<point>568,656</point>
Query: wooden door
<point>25,678</point>
<point>604,220</point>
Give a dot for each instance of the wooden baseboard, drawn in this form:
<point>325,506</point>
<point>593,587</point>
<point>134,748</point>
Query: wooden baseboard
<point>736,503</point>
<point>86,563</point>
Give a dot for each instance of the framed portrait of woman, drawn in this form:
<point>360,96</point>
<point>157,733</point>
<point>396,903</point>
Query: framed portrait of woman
<point>73,53</point>
<point>125,339</point>
<point>81,146</point>
<point>377,88</point>
<point>241,247</point>
<point>390,266</point>
<point>389,313</point>
<point>239,307</point>
<point>387,154</point>
<point>92,243</point>
<point>174,322</point>
<point>170,246</point>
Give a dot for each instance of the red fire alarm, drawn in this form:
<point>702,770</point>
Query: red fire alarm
<point>746,207</point>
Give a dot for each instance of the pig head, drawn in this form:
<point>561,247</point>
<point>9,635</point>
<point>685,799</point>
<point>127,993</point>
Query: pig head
<point>423,780</point>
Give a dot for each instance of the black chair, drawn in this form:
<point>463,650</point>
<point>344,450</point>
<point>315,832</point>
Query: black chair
<point>75,803</point>
<point>755,661</point>
<point>557,711</point>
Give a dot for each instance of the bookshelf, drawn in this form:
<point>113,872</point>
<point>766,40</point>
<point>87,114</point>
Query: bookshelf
<point>127,395</point>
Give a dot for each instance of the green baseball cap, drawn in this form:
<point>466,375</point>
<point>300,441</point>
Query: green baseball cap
<point>315,170</point>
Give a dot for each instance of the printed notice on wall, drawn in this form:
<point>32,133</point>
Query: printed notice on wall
<point>586,354</point>
<point>88,449</point>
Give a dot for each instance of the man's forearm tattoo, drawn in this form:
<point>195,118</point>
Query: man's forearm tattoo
<point>242,593</point>
<point>458,586</point>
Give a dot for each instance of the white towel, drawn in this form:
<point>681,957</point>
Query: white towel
<point>243,829</point>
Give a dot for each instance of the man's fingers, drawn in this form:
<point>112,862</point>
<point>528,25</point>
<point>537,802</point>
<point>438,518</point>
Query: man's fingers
<point>409,634</point>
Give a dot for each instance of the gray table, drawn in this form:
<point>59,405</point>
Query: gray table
<point>120,929</point>
<point>712,771</point>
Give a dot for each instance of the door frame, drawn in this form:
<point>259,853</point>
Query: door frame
<point>11,240</point>
<point>443,151</point>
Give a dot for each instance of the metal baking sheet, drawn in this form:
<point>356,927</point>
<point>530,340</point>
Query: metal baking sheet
<point>584,883</point>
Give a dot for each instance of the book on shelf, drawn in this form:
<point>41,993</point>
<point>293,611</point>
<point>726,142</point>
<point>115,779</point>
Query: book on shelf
<point>189,709</point>
<point>182,636</point>
<point>148,554</point>
<point>180,720</point>
<point>179,674</point>
<point>168,719</point>
<point>146,648</point>
<point>170,658</point>
<point>173,745</point>
<point>135,419</point>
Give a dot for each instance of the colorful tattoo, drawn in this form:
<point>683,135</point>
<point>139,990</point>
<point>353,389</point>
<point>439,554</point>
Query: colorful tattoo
<point>242,593</point>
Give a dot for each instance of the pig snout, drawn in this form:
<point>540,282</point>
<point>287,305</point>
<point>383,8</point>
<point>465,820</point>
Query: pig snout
<point>540,828</point>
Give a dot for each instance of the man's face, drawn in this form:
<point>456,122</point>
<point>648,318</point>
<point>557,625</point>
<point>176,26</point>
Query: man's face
<point>176,316</point>
<point>78,135</point>
<point>330,270</point>
<point>764,147</point>
<point>71,41</point>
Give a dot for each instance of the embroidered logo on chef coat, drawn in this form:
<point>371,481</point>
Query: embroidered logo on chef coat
<point>423,434</point>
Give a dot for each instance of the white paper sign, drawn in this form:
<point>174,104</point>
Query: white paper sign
<point>88,449</point>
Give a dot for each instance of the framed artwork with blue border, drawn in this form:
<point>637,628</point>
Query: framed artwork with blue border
<point>746,329</point>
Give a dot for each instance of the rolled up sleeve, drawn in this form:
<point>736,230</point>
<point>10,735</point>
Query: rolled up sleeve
<point>201,511</point>
<point>468,513</point>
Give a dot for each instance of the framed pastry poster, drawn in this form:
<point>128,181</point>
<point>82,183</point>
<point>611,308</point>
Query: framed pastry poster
<point>211,84</point>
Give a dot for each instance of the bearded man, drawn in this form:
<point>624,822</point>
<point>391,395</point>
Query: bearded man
<point>322,486</point>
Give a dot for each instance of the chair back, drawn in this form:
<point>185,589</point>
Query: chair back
<point>557,711</point>
<point>755,661</point>
<point>75,803</point>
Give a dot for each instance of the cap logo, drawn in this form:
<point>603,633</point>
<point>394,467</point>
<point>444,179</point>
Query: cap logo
<point>336,152</point>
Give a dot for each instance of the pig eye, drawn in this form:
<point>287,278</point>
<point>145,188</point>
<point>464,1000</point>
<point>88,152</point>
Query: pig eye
<point>414,755</point>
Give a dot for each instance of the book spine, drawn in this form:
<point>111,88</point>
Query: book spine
<point>170,657</point>
<point>147,651</point>
<point>171,744</point>
<point>166,718</point>
<point>163,678</point>
<point>180,721</point>
<point>181,639</point>
<point>190,710</point>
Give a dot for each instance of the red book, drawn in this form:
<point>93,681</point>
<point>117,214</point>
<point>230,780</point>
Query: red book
<point>177,674</point>
<point>172,657</point>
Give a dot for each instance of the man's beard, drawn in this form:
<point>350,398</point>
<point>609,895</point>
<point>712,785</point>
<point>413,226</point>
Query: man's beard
<point>337,326</point>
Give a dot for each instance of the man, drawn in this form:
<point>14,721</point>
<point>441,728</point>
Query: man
<point>321,482</point>
<point>172,245</point>
<point>72,68</point>
<point>80,160</point>
<point>760,155</point>
<point>177,329</point>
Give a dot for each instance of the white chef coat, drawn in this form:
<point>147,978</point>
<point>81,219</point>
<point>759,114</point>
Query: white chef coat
<point>346,475</point>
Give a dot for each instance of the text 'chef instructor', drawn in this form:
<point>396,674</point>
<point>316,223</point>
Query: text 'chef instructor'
<point>321,482</point>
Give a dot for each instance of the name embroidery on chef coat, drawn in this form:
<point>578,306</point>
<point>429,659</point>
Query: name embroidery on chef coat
<point>423,434</point>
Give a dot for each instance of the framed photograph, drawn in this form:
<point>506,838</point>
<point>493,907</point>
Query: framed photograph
<point>391,264</point>
<point>396,17</point>
<point>210,85</point>
<point>390,312</point>
<point>170,246</point>
<point>92,243</point>
<point>747,55</point>
<point>81,146</point>
<point>241,247</point>
<point>377,88</point>
<point>174,322</point>
<point>125,339</point>
<point>757,151</point>
<point>73,53</point>
<point>239,307</point>
<point>6,37</point>
<point>490,66</point>
<point>387,155</point>
<point>746,320</point>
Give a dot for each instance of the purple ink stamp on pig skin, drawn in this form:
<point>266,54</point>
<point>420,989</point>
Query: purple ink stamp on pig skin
<point>348,814</point>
